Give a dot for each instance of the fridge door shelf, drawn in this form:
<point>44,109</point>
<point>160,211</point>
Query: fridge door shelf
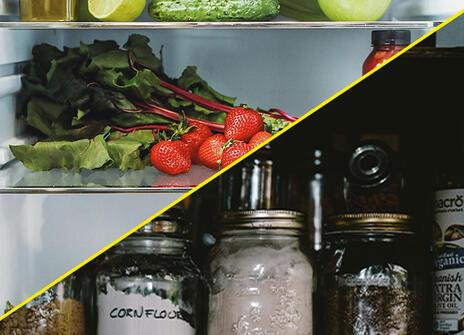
<point>223,25</point>
<point>15,179</point>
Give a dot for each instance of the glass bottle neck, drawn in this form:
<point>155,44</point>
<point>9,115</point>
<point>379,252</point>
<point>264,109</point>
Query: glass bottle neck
<point>153,246</point>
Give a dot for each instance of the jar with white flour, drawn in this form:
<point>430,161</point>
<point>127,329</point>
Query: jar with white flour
<point>262,282</point>
<point>149,283</point>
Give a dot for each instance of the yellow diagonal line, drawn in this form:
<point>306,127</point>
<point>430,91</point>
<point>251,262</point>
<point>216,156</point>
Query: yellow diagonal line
<point>189,193</point>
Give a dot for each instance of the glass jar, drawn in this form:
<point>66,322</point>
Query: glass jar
<point>261,281</point>
<point>386,44</point>
<point>48,10</point>
<point>372,278</point>
<point>149,282</point>
<point>58,311</point>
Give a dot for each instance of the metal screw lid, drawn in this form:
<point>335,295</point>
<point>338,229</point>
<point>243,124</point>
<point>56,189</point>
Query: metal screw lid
<point>370,223</point>
<point>263,219</point>
<point>172,223</point>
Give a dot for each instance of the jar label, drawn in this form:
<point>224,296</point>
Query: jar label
<point>121,314</point>
<point>448,235</point>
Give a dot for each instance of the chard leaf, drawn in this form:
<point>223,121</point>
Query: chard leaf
<point>145,137</point>
<point>138,46</point>
<point>66,155</point>
<point>97,47</point>
<point>190,80</point>
<point>113,59</point>
<point>128,120</point>
<point>126,154</point>
<point>141,85</point>
<point>43,114</point>
<point>43,54</point>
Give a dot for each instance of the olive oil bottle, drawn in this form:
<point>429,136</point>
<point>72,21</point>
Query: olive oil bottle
<point>48,10</point>
<point>448,238</point>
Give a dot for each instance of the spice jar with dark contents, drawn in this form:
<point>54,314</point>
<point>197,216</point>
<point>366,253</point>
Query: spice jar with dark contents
<point>149,282</point>
<point>58,311</point>
<point>261,280</point>
<point>372,280</point>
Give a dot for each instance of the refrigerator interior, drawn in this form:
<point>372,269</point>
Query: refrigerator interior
<point>44,230</point>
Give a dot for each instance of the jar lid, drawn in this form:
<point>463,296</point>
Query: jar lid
<point>263,219</point>
<point>171,223</point>
<point>370,223</point>
<point>391,37</point>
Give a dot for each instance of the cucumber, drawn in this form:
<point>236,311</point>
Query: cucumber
<point>214,10</point>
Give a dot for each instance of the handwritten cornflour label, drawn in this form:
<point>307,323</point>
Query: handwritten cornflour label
<point>448,233</point>
<point>122,314</point>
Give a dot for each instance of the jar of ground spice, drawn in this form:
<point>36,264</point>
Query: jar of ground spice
<point>57,311</point>
<point>261,280</point>
<point>372,277</point>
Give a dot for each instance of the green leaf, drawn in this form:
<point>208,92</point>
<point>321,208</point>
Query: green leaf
<point>190,80</point>
<point>138,46</point>
<point>43,114</point>
<point>43,54</point>
<point>97,48</point>
<point>114,59</point>
<point>128,120</point>
<point>141,85</point>
<point>66,155</point>
<point>126,154</point>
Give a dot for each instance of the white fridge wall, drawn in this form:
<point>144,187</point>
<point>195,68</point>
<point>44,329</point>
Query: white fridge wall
<point>44,236</point>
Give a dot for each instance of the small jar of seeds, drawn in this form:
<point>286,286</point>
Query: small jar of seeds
<point>372,277</point>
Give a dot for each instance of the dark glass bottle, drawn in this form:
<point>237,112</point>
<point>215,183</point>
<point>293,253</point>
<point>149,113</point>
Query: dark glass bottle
<point>374,180</point>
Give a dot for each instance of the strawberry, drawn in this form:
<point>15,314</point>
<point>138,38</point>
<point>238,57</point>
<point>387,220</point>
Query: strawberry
<point>259,138</point>
<point>242,123</point>
<point>194,138</point>
<point>233,152</point>
<point>210,151</point>
<point>171,157</point>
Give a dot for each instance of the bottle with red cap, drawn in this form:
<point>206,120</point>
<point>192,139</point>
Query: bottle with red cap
<point>386,43</point>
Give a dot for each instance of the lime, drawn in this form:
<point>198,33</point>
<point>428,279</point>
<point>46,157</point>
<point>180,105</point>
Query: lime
<point>84,14</point>
<point>117,10</point>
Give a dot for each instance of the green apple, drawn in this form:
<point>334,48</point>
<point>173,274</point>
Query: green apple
<point>354,10</point>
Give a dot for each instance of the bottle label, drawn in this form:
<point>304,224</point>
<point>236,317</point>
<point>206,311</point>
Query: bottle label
<point>121,314</point>
<point>448,235</point>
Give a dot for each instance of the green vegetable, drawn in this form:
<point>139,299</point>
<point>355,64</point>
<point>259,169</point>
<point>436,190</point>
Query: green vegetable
<point>75,97</point>
<point>214,10</point>
<point>120,150</point>
<point>303,10</point>
<point>97,105</point>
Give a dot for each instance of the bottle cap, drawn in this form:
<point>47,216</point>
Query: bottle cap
<point>172,223</point>
<point>391,37</point>
<point>263,219</point>
<point>365,223</point>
